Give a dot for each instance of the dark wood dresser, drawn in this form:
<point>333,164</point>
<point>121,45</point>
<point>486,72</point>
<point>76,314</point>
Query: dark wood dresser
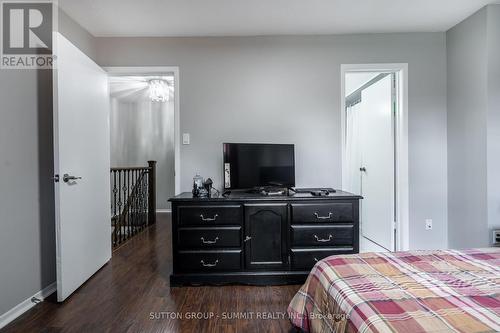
<point>261,240</point>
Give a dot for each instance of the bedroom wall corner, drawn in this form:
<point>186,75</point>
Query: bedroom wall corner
<point>493,56</point>
<point>473,53</point>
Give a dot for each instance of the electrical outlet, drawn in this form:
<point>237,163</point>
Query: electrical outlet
<point>496,237</point>
<point>428,224</point>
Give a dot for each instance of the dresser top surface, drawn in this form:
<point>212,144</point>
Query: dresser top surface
<point>243,195</point>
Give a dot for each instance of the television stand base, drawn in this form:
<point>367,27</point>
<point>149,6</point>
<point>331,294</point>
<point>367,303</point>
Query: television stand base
<point>269,191</point>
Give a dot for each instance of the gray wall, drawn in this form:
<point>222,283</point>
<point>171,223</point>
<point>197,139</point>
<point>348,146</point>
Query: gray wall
<point>467,99</point>
<point>287,90</point>
<point>493,173</point>
<point>473,129</point>
<point>27,237</point>
<point>27,245</point>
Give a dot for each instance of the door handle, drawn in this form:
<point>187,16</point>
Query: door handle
<point>362,169</point>
<point>67,178</point>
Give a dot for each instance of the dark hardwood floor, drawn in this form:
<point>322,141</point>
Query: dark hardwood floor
<point>132,294</point>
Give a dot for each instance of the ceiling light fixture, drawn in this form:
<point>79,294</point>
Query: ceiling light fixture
<point>159,91</point>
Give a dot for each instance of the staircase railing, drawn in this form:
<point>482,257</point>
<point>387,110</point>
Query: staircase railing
<point>133,201</point>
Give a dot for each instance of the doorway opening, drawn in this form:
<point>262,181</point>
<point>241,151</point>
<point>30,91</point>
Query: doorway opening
<point>143,126</point>
<point>148,121</point>
<point>375,151</point>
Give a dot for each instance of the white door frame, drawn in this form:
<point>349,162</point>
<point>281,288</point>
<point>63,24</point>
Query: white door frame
<point>161,70</point>
<point>401,122</point>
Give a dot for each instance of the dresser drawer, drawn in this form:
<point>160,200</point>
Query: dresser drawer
<point>305,259</point>
<point>210,215</point>
<point>322,212</point>
<point>323,235</point>
<point>209,261</point>
<point>214,237</point>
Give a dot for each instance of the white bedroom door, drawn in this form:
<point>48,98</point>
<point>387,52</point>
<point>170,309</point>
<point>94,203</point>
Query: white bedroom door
<point>82,164</point>
<point>376,139</point>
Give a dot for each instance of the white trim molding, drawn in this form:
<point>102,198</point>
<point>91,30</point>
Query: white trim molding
<point>25,305</point>
<point>402,166</point>
<point>163,211</point>
<point>161,70</point>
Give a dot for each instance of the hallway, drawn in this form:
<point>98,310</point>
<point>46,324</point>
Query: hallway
<point>132,294</point>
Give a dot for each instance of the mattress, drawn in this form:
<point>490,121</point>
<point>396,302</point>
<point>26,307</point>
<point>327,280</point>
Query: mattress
<point>417,291</point>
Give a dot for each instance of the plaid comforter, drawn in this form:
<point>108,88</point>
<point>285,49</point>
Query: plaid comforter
<point>421,291</point>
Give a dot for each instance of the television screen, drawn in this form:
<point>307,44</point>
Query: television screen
<point>249,165</point>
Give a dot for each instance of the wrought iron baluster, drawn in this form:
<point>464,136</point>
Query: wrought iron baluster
<point>139,203</point>
<point>145,193</point>
<point>139,207</point>
<point>120,212</point>
<point>136,200</point>
<point>125,208</point>
<point>129,193</point>
<point>143,216</point>
<point>145,196</point>
<point>114,209</point>
<point>132,197</point>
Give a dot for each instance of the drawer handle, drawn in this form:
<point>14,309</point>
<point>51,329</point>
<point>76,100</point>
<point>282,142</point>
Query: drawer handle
<point>323,217</point>
<point>209,241</point>
<point>323,240</point>
<point>315,259</point>
<point>209,265</point>
<point>209,219</point>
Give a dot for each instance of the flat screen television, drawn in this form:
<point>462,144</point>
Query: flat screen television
<point>250,165</point>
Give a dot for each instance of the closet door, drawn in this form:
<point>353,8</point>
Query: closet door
<point>376,138</point>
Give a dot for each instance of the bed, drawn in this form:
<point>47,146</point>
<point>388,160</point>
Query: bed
<point>420,291</point>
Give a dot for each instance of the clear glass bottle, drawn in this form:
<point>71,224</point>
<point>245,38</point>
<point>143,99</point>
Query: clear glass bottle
<point>198,181</point>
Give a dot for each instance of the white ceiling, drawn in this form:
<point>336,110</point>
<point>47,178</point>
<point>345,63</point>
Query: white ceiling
<point>266,17</point>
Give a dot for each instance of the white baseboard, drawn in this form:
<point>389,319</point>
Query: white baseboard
<point>163,211</point>
<point>25,305</point>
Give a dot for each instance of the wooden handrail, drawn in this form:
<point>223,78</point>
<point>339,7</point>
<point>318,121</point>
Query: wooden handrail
<point>128,168</point>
